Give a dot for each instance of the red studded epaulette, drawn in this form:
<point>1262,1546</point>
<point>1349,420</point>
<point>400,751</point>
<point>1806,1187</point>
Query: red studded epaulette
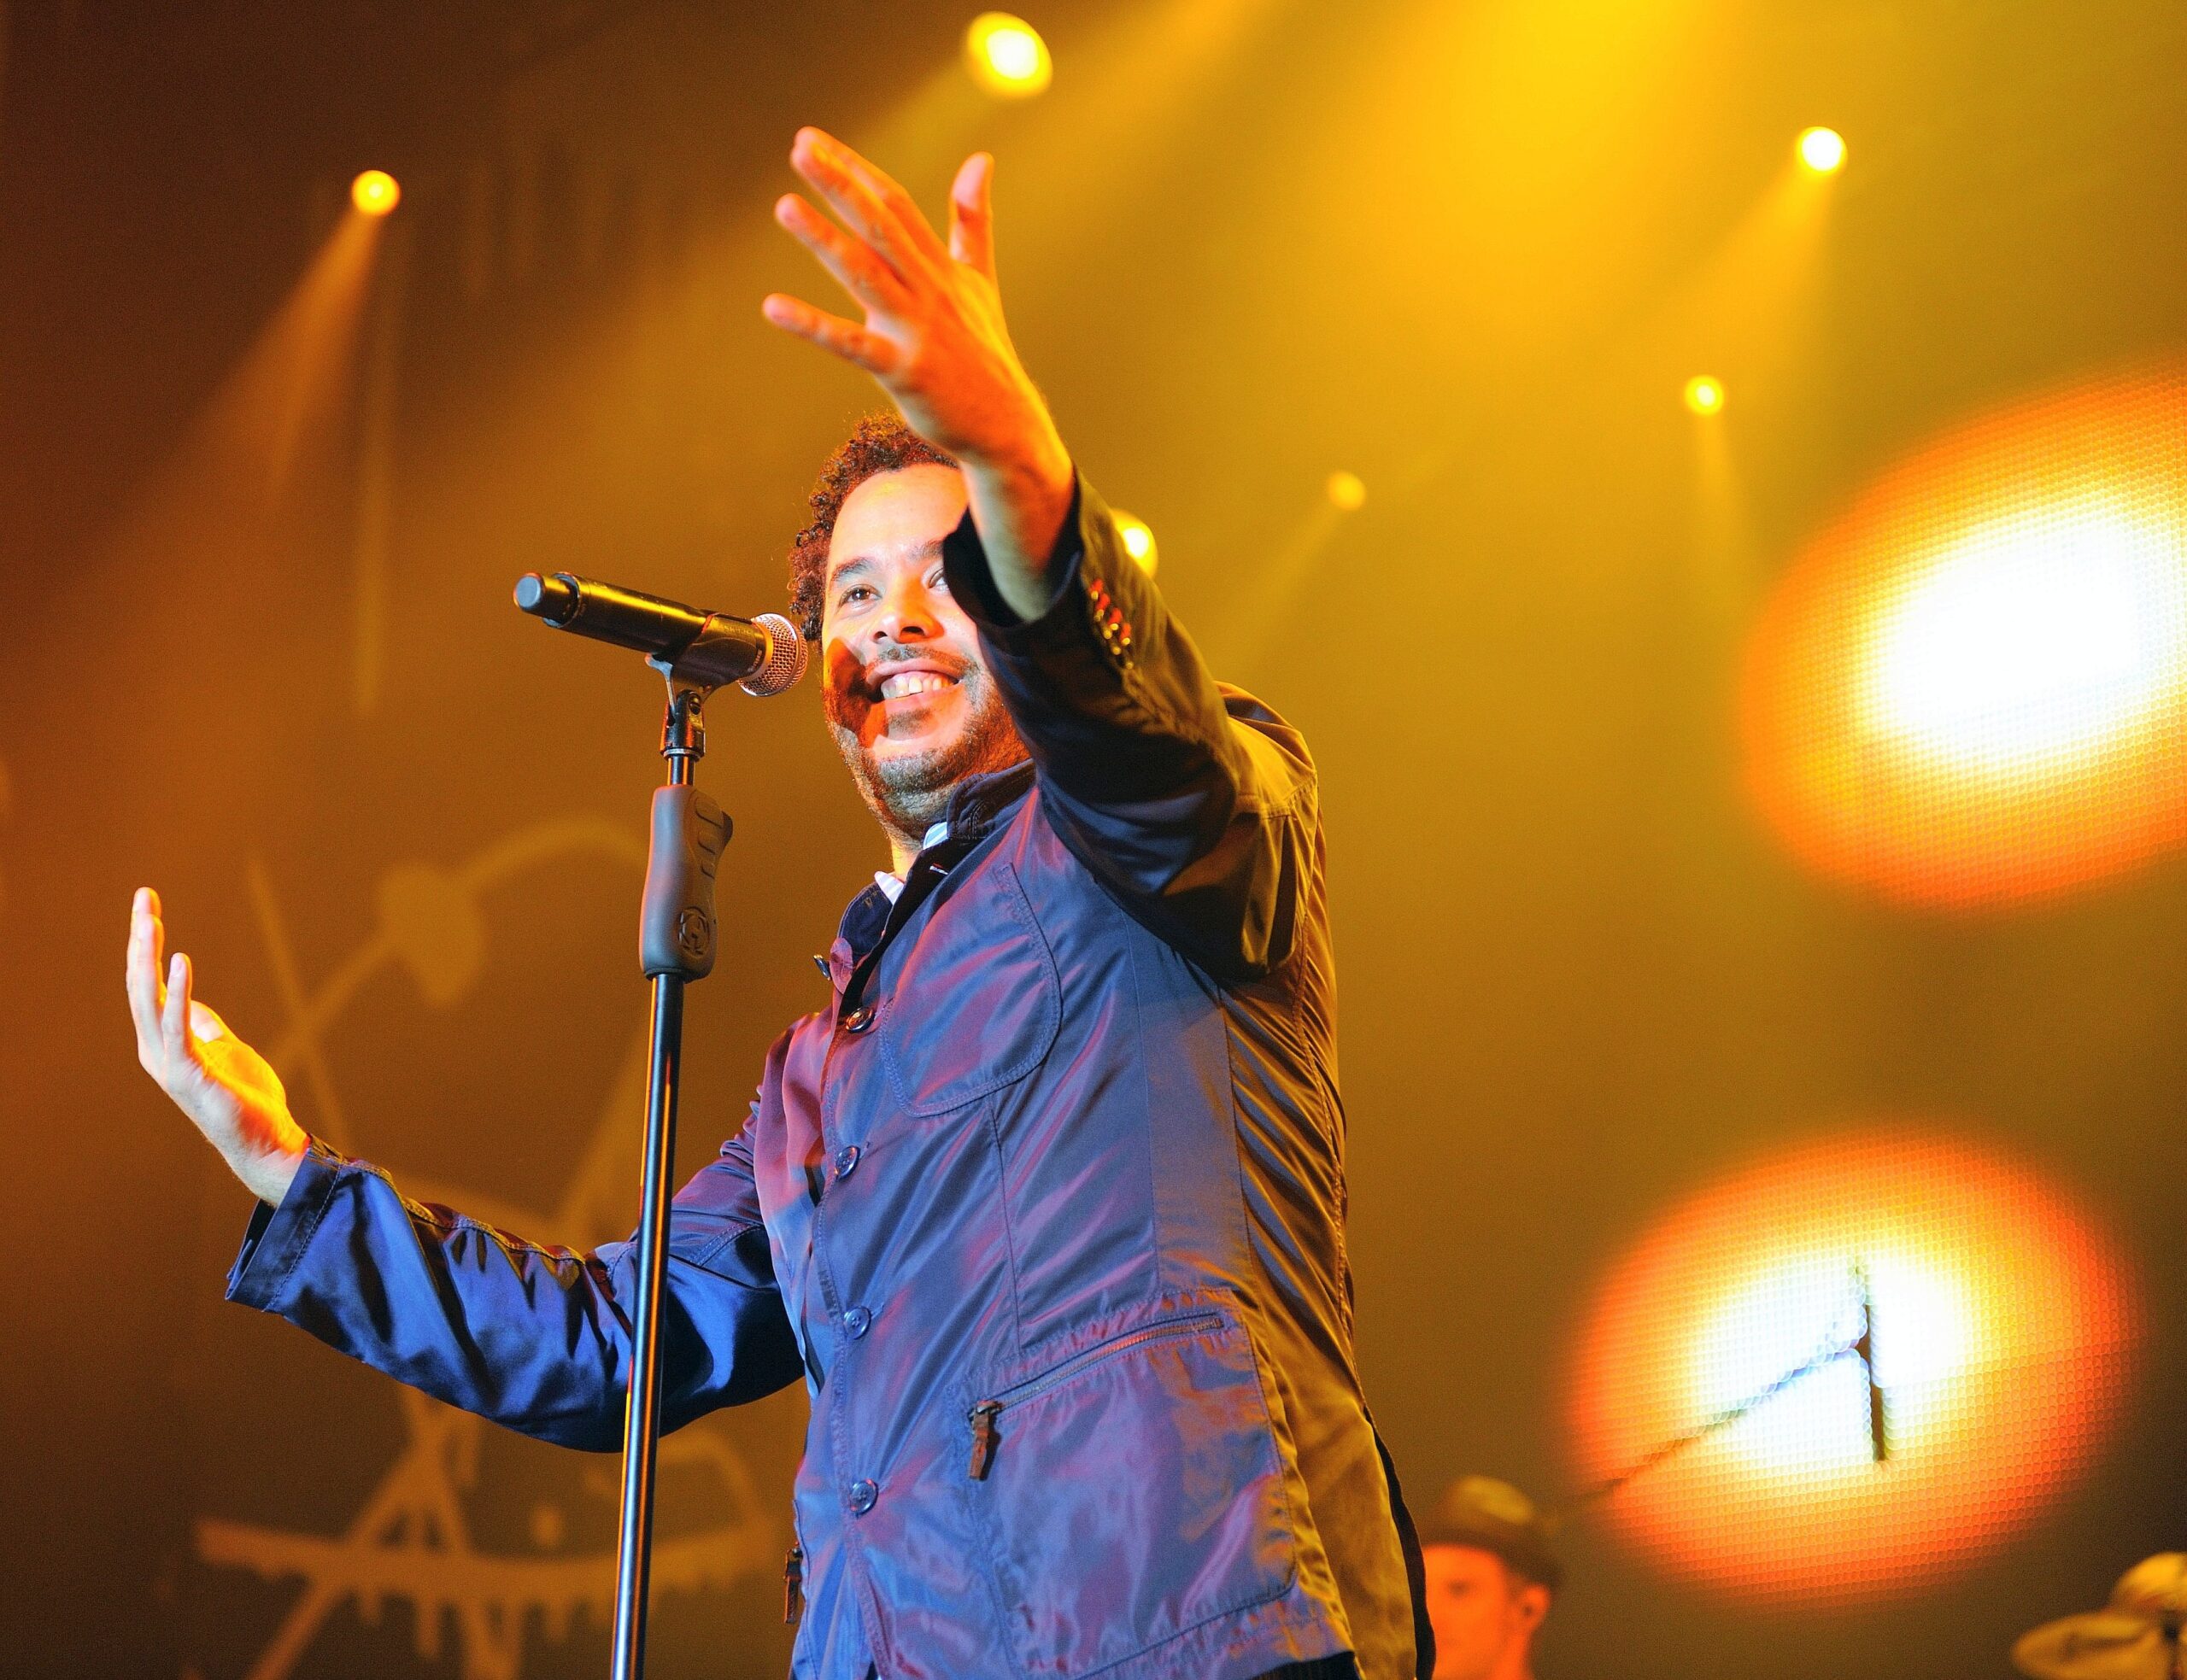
<point>1108,620</point>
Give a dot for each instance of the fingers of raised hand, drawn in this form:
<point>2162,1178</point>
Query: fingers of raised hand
<point>146,939</point>
<point>852,343</point>
<point>876,208</point>
<point>174,1015</point>
<point>857,266</point>
<point>972,216</point>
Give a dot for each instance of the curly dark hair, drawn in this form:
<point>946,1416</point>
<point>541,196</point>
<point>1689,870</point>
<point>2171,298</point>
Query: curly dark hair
<point>881,443</point>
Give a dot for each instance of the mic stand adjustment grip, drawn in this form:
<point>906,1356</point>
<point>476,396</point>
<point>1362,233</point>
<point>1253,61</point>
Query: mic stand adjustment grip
<point>676,929</point>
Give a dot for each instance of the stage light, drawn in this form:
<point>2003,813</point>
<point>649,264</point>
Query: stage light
<point>1007,56</point>
<point>1704,395</point>
<point>375,192</point>
<point>1138,538</point>
<point>1347,491</point>
<point>2003,662</point>
<point>2003,1333</point>
<point>1823,150</point>
<point>1971,689</point>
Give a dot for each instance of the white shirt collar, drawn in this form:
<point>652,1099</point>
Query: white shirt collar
<point>893,885</point>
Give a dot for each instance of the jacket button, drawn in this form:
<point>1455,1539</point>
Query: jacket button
<point>858,1019</point>
<point>857,1321</point>
<point>846,1159</point>
<point>860,1495</point>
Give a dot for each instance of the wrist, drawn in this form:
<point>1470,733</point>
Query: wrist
<point>268,1170</point>
<point>1022,500</point>
<point>1035,472</point>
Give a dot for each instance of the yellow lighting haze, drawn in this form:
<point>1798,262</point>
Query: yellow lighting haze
<point>1703,394</point>
<point>1823,150</point>
<point>1347,490</point>
<point>1007,56</point>
<point>375,192</point>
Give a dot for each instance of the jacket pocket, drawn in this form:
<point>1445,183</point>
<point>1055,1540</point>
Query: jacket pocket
<point>977,1003</point>
<point>1129,1494</point>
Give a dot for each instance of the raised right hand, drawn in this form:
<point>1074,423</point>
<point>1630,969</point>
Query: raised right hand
<point>227,1088</point>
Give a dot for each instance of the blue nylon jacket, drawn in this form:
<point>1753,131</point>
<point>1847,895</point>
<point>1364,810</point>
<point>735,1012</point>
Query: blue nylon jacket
<point>1046,1210</point>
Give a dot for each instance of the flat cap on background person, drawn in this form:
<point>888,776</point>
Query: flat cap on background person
<point>1494,1516</point>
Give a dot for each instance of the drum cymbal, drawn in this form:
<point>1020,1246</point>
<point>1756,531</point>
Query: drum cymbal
<point>2138,1638</point>
<point>2156,1586</point>
<point>2102,1645</point>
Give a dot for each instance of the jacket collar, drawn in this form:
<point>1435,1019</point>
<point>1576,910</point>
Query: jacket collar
<point>979,802</point>
<point>976,806</point>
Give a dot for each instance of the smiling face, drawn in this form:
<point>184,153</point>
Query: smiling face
<point>912,707</point>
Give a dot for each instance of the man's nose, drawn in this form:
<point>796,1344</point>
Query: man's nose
<point>906,613</point>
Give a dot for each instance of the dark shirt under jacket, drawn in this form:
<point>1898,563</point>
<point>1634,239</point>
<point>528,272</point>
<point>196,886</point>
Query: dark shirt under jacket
<point>1046,1208</point>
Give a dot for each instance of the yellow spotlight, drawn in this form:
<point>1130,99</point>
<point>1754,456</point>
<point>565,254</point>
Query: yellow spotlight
<point>1347,491</point>
<point>1138,540</point>
<point>1704,395</point>
<point>375,192</point>
<point>1823,150</point>
<point>1007,56</point>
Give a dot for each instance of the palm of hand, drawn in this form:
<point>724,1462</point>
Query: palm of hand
<point>233,1085</point>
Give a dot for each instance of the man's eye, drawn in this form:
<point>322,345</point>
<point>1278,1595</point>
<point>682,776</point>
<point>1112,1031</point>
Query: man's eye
<point>938,583</point>
<point>856,592</point>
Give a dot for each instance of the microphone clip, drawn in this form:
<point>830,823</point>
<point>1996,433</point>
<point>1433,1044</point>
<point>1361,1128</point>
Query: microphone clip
<point>684,724</point>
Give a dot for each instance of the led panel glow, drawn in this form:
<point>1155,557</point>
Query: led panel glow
<point>1971,689</point>
<point>2004,1324</point>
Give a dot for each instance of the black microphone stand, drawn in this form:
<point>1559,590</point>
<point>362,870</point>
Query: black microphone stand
<point>676,946</point>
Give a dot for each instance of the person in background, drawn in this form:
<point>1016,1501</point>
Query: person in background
<point>1491,1573</point>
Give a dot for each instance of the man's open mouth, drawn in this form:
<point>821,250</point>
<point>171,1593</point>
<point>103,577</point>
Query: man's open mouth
<point>904,684</point>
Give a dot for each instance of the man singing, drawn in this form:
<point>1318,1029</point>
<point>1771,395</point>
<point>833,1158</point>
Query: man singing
<point>1047,1206</point>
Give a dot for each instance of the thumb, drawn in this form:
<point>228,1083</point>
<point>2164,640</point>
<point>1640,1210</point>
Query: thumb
<point>971,214</point>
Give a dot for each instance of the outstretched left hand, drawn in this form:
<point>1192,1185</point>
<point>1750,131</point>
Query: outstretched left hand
<point>933,337</point>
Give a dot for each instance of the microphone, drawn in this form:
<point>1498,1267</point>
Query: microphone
<point>762,656</point>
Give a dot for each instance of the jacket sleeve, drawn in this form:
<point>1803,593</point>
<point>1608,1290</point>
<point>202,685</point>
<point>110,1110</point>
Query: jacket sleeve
<point>1193,804</point>
<point>534,1337</point>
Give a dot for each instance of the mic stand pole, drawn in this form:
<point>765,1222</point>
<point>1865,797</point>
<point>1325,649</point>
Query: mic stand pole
<point>676,945</point>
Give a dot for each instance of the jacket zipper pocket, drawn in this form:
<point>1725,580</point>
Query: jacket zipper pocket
<point>986,1437</point>
<point>794,1585</point>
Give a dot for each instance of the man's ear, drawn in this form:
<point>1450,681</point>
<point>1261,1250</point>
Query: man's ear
<point>1532,1604</point>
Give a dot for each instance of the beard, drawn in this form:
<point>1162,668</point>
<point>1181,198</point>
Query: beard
<point>908,792</point>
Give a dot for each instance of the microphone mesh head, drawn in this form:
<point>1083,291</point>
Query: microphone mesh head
<point>786,653</point>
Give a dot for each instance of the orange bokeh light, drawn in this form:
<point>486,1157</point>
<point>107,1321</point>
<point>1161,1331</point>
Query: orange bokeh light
<point>2005,1333</point>
<point>375,192</point>
<point>1971,689</point>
